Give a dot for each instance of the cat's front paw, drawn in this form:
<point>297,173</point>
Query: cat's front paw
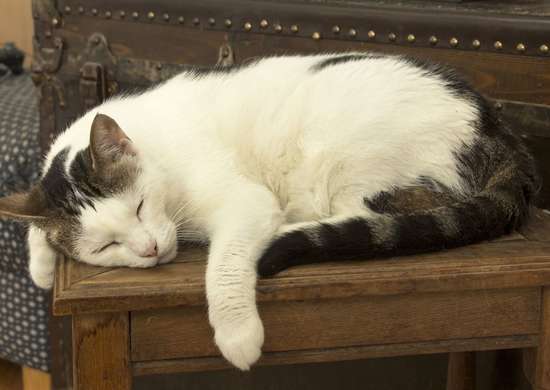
<point>240,342</point>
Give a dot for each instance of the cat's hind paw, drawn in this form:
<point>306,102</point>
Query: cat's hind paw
<point>241,343</point>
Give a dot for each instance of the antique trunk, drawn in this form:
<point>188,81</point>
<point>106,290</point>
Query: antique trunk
<point>86,51</point>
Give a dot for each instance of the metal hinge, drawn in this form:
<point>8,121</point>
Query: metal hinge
<point>93,88</point>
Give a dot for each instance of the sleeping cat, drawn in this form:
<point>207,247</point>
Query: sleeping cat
<point>283,161</point>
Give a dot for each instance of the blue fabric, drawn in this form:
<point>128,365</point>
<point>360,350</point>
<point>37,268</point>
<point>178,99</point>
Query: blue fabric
<point>24,308</point>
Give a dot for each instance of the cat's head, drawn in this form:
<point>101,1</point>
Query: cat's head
<point>102,207</point>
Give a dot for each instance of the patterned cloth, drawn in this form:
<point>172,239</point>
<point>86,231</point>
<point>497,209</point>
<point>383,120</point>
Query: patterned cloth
<point>23,307</point>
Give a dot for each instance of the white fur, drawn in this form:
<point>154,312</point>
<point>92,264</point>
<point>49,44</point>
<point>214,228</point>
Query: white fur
<point>232,158</point>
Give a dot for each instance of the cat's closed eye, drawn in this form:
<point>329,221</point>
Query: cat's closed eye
<point>138,211</point>
<point>106,246</point>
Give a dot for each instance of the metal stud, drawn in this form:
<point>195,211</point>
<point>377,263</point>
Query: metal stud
<point>135,15</point>
<point>371,34</point>
<point>181,20</point>
<point>476,44</point>
<point>67,9</point>
<point>122,14</point>
<point>433,40</point>
<point>498,45</point>
<point>294,28</point>
<point>520,47</point>
<point>158,66</point>
<point>48,34</point>
<point>453,42</point>
<point>81,10</point>
<point>211,21</point>
<point>108,14</point>
<point>55,22</point>
<point>277,27</point>
<point>264,23</point>
<point>228,23</point>
<point>411,38</point>
<point>336,29</point>
<point>392,37</point>
<point>150,15</point>
<point>248,26</point>
<point>352,32</point>
<point>94,11</point>
<point>543,49</point>
<point>316,35</point>
<point>196,21</point>
<point>166,17</point>
<point>498,106</point>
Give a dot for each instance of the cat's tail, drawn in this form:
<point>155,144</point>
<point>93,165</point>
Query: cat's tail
<point>501,206</point>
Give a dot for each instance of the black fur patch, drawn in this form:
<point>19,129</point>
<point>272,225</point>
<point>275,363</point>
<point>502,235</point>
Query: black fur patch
<point>81,174</point>
<point>58,189</point>
<point>343,59</point>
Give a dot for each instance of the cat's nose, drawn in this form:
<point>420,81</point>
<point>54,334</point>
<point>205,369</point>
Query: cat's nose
<point>152,250</point>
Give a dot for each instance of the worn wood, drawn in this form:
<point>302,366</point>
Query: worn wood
<point>542,369</point>
<point>338,354</point>
<point>101,352</point>
<point>185,332</point>
<point>34,379</point>
<point>501,264</point>
<point>461,371</point>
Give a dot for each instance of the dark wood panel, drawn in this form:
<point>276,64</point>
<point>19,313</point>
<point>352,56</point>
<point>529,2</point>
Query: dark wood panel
<point>338,354</point>
<point>317,324</point>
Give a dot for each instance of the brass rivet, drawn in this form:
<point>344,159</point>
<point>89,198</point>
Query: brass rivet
<point>248,26</point>
<point>336,29</point>
<point>67,9</point>
<point>543,49</point>
<point>122,14</point>
<point>476,43</point>
<point>352,32</point>
<point>453,42</point>
<point>498,106</point>
<point>371,34</point>
<point>181,20</point>
<point>159,66</point>
<point>498,45</point>
<point>294,28</point>
<point>411,38</point>
<point>48,34</point>
<point>81,9</point>
<point>316,35</point>
<point>135,15</point>
<point>227,22</point>
<point>520,47</point>
<point>55,22</point>
<point>166,17</point>
<point>433,40</point>
<point>196,21</point>
<point>94,11</point>
<point>150,15</point>
<point>211,21</point>
<point>264,23</point>
<point>278,28</point>
<point>392,37</point>
<point>108,14</point>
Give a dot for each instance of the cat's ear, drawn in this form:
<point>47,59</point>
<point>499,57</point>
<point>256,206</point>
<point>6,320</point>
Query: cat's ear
<point>28,206</point>
<point>108,142</point>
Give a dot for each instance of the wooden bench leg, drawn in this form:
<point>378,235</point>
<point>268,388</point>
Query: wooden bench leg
<point>461,371</point>
<point>542,368</point>
<point>101,352</point>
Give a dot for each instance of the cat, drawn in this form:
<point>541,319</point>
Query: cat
<point>282,161</point>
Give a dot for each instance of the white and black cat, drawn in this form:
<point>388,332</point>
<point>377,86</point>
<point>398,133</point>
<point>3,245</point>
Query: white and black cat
<point>283,161</point>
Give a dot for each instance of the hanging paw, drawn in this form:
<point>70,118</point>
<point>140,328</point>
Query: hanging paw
<point>240,341</point>
<point>42,267</point>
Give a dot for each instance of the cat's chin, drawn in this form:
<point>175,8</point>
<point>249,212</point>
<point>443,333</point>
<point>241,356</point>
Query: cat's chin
<point>169,256</point>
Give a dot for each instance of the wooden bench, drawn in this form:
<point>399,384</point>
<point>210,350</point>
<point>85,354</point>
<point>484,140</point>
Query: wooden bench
<point>489,296</point>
